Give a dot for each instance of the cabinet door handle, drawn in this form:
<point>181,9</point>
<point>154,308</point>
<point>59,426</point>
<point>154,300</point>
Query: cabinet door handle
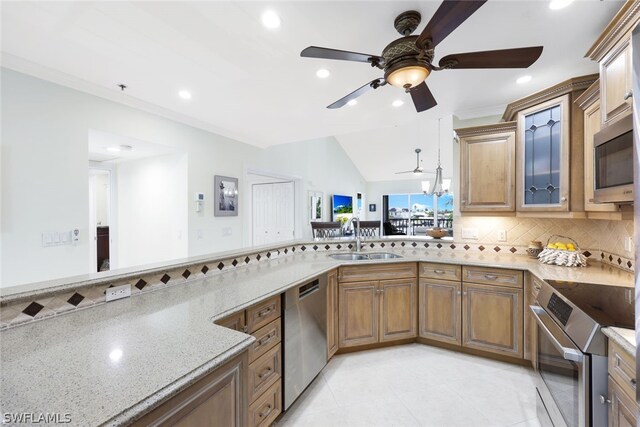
<point>264,312</point>
<point>245,328</point>
<point>490,276</point>
<point>633,382</point>
<point>459,293</point>
<point>563,199</point>
<point>464,202</point>
<point>604,400</point>
<point>464,293</point>
<point>265,373</point>
<point>439,271</point>
<point>628,95</point>
<point>266,412</point>
<point>265,340</point>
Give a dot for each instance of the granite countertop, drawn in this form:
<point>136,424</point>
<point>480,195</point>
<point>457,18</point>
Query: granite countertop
<point>625,338</point>
<point>114,362</point>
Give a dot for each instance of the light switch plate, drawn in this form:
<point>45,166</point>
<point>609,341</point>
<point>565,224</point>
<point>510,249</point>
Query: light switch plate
<point>502,235</point>
<point>628,244</point>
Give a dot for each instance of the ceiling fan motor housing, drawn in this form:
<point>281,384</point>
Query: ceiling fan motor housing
<point>403,52</point>
<point>407,22</point>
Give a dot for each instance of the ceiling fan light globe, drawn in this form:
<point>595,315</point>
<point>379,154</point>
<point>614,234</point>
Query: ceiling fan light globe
<point>408,77</point>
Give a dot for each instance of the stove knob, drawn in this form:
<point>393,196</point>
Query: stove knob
<point>604,400</point>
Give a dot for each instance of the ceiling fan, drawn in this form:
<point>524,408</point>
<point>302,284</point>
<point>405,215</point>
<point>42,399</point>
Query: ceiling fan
<point>418,170</point>
<point>408,61</point>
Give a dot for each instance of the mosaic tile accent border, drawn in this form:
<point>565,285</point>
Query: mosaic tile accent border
<point>20,312</point>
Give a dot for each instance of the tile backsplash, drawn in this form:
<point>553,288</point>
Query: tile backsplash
<point>605,236</point>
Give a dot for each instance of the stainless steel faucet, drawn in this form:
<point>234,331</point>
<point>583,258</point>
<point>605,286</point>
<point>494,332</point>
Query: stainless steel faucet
<point>356,230</point>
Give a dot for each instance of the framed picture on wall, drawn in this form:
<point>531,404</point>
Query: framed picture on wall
<point>316,205</point>
<point>225,189</point>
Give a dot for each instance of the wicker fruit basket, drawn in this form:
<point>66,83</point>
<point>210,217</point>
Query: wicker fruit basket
<point>569,257</point>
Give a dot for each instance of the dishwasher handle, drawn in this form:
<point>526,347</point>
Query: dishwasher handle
<point>308,289</point>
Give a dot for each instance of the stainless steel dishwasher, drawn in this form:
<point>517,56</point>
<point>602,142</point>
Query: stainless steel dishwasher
<point>305,336</point>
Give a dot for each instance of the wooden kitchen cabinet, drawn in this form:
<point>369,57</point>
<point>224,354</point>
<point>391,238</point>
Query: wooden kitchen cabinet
<point>623,410</point>
<point>264,359</point>
<point>219,400</point>
<point>398,304</point>
<point>532,287</point>
<point>615,83</point>
<point>358,313</point>
<point>375,311</point>
<point>332,314</point>
<point>488,168</point>
<point>492,319</point>
<point>440,310</point>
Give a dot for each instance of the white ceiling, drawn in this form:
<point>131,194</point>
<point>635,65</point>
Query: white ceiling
<point>250,83</point>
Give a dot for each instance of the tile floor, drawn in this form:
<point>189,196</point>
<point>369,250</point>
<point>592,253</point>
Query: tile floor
<point>416,385</point>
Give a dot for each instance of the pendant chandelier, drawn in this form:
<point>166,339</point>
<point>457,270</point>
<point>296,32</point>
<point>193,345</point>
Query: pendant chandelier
<point>440,186</point>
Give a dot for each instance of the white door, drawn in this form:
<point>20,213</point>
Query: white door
<point>273,212</point>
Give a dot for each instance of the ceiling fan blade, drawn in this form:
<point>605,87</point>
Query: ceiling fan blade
<point>422,97</point>
<point>447,18</point>
<point>374,84</point>
<point>342,55</point>
<point>506,58</point>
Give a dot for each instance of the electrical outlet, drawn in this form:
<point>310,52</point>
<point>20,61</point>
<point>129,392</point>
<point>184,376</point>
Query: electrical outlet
<point>470,233</point>
<point>502,235</point>
<point>118,292</point>
<point>628,244</point>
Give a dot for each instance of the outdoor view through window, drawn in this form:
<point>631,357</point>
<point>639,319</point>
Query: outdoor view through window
<point>414,214</point>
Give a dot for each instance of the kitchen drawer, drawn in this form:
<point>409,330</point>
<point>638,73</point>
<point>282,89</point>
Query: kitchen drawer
<point>266,338</point>
<point>266,370</point>
<point>363,273</point>
<point>262,314</point>
<point>431,270</point>
<point>493,276</point>
<point>267,407</point>
<point>536,286</point>
<point>622,368</point>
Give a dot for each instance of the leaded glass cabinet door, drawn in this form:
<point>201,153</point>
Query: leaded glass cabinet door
<point>543,156</point>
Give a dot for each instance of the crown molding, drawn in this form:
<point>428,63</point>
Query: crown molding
<point>563,88</point>
<point>620,26</point>
<point>589,96</point>
<point>487,129</point>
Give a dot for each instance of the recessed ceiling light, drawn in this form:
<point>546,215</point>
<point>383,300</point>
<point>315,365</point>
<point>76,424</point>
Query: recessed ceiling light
<point>184,94</point>
<point>323,73</point>
<point>114,149</point>
<point>119,148</point>
<point>115,355</point>
<point>352,102</point>
<point>559,4</point>
<point>397,103</point>
<point>270,19</point>
<point>523,79</point>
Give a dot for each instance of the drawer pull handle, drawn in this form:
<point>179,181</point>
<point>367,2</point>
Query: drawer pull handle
<point>490,276</point>
<point>265,340</point>
<point>633,382</point>
<point>265,373</point>
<point>266,412</point>
<point>439,271</point>
<point>264,312</point>
<point>628,95</point>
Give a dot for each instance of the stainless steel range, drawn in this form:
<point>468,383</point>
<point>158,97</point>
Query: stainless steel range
<point>571,350</point>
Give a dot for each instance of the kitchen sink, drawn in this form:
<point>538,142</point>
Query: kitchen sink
<point>349,257</point>
<point>352,256</point>
<point>384,255</point>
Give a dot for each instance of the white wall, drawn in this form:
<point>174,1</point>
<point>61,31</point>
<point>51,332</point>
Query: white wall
<point>45,182</point>
<point>102,199</point>
<point>152,210</point>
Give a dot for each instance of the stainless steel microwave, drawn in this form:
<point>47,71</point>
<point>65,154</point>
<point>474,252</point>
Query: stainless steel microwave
<point>613,157</point>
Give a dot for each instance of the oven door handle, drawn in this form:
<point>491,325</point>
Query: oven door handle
<point>567,353</point>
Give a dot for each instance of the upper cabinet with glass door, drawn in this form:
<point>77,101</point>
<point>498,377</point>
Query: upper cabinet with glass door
<point>542,182</point>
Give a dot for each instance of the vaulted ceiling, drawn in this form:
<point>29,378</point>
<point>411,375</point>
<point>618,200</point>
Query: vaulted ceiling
<point>251,84</point>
